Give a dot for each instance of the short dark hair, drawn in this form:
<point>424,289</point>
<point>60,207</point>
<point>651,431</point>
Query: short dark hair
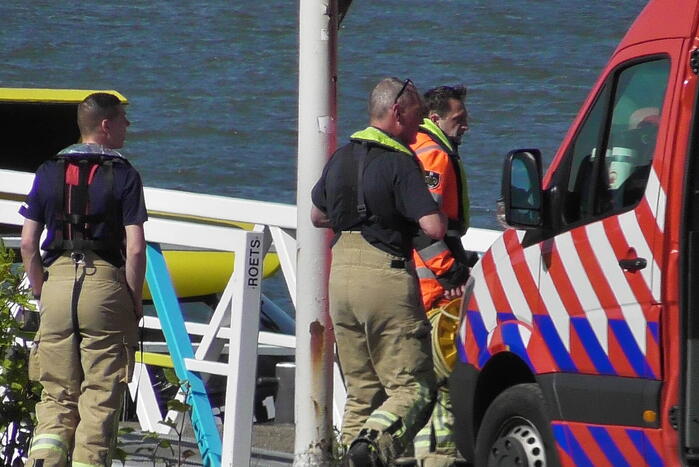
<point>94,108</point>
<point>437,99</point>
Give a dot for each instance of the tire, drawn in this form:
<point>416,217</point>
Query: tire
<point>516,431</point>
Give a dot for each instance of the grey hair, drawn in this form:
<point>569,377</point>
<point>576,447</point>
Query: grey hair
<point>383,95</point>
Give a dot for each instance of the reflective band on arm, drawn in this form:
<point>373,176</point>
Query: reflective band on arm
<point>431,147</point>
<point>433,250</point>
<point>424,273</point>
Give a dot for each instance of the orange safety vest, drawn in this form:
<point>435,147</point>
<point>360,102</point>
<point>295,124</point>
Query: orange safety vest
<point>446,181</point>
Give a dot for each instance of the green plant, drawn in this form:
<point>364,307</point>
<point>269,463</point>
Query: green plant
<point>155,442</point>
<point>18,395</point>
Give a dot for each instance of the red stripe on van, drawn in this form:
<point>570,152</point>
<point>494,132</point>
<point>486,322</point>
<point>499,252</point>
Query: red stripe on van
<point>495,289</point>
<point>622,249</point>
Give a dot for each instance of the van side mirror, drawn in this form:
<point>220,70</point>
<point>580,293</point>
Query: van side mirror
<point>521,189</point>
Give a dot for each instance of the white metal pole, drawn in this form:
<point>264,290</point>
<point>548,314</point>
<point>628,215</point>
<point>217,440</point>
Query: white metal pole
<point>317,140</point>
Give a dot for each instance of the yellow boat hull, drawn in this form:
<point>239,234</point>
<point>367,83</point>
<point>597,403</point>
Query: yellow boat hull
<point>198,273</point>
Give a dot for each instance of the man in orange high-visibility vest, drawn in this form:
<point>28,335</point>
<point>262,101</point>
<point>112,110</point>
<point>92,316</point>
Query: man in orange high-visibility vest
<point>443,266</point>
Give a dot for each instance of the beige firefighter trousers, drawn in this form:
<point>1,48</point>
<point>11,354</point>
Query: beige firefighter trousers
<point>383,341</point>
<point>83,378</point>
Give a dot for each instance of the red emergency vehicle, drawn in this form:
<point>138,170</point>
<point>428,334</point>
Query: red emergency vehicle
<point>579,340</point>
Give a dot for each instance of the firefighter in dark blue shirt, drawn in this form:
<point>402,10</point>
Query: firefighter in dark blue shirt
<point>373,195</point>
<point>89,283</point>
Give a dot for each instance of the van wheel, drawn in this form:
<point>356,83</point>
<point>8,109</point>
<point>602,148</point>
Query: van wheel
<point>516,431</point>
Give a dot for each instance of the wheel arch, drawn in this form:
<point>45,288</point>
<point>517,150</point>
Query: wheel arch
<point>502,371</point>
<point>473,390</point>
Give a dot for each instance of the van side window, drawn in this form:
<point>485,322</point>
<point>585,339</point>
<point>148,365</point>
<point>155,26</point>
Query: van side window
<point>579,190</point>
<point>610,158</point>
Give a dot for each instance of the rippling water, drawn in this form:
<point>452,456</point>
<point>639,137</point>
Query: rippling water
<point>213,84</point>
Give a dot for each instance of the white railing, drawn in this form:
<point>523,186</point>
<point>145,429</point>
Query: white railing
<point>276,222</point>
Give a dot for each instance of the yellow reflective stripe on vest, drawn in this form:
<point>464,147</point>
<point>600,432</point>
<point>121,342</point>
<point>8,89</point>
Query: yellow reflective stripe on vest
<point>432,128</point>
<point>50,442</point>
<point>435,132</point>
<point>375,135</point>
<point>465,201</point>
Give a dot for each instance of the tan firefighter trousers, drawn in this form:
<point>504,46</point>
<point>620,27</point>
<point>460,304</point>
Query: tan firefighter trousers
<point>84,377</point>
<point>383,341</point>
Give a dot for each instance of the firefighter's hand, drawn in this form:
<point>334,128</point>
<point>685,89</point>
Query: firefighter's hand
<point>456,292</point>
<point>138,310</point>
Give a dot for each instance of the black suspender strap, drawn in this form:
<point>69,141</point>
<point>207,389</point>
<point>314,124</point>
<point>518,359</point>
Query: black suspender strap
<point>78,201</point>
<point>59,198</point>
<point>110,205</point>
<point>361,203</point>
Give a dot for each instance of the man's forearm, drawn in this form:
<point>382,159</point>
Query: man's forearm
<point>135,266</point>
<point>34,269</point>
<point>31,256</point>
<point>135,273</point>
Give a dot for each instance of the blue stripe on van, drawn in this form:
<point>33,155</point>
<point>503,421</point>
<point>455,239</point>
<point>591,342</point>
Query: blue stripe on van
<point>460,349</point>
<point>566,440</point>
<point>555,344</point>
<point>475,320</point>
<point>512,337</point>
<point>506,316</point>
<point>630,348</point>
<point>644,447</point>
<point>593,347</point>
<point>654,328</point>
<point>608,446</point>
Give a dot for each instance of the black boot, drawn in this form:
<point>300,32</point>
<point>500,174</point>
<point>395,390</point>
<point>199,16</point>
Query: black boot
<point>363,451</point>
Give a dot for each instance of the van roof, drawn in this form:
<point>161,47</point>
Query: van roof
<point>663,19</point>
<point>65,96</point>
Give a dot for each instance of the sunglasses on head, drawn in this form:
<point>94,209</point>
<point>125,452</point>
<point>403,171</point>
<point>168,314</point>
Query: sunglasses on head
<point>402,90</point>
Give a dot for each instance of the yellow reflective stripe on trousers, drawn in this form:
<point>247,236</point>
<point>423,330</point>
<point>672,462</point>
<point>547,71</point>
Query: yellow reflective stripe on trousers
<point>50,442</point>
<point>83,464</point>
<point>382,418</point>
<point>423,441</point>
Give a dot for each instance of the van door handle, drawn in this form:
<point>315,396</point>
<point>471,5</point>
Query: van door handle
<point>634,264</point>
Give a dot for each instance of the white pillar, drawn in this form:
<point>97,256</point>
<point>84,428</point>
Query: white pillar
<point>317,140</point>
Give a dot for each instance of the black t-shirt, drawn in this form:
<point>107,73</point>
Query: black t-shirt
<point>394,190</point>
<point>129,204</point>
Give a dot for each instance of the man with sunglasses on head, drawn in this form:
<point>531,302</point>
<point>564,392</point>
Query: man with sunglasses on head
<point>373,195</point>
<point>443,267</point>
